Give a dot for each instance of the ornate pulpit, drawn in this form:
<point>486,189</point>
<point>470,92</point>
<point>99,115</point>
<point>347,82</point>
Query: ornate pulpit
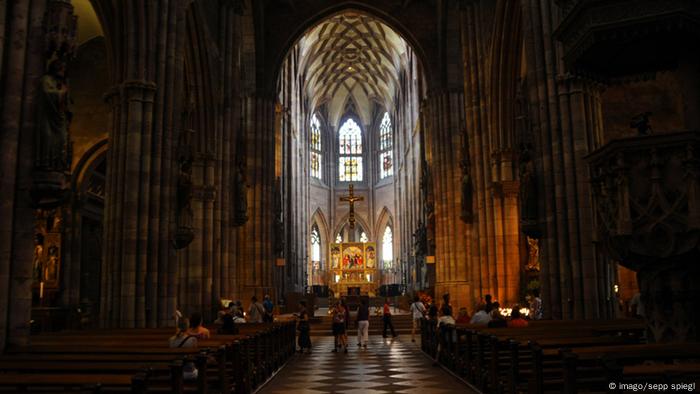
<point>646,193</point>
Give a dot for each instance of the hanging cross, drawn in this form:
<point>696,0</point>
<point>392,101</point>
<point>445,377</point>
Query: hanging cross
<point>351,198</point>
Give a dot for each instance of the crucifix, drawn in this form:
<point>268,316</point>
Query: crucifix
<point>351,198</point>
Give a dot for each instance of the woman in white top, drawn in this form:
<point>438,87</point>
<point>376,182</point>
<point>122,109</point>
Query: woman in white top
<point>418,313</point>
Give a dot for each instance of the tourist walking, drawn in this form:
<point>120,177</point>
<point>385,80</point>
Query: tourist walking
<point>303,328</point>
<point>363,324</point>
<point>387,319</point>
<point>417,313</point>
<point>339,326</point>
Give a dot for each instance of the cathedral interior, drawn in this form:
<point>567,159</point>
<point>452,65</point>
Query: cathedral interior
<point>168,156</point>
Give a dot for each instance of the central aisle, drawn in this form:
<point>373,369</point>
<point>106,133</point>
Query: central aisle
<point>386,366</point>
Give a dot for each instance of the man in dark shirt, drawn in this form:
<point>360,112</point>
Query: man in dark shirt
<point>363,324</point>
<point>489,304</point>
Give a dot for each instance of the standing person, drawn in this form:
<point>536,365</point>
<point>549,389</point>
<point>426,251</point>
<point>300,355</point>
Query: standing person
<point>363,324</point>
<point>636,306</point>
<point>489,304</point>
<point>347,319</point>
<point>536,306</point>
<point>256,311</point>
<point>339,326</point>
<point>432,311</point>
<point>303,328</point>
<point>269,307</point>
<point>387,319</point>
<point>418,313</point>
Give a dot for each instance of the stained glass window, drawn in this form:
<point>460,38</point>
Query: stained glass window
<point>350,168</point>
<point>387,247</point>
<point>363,237</point>
<point>315,244</point>
<point>315,145</point>
<point>338,238</point>
<point>350,149</point>
<point>386,144</point>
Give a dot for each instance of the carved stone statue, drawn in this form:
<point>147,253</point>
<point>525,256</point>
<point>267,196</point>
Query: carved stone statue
<point>183,206</point>
<point>279,220</point>
<point>467,193</point>
<point>52,150</point>
<point>420,240</point>
<point>240,195</point>
<point>37,261</point>
<point>528,187</point>
<point>533,249</point>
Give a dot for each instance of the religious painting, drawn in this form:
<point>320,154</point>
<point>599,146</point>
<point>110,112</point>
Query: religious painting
<point>371,254</point>
<point>335,256</point>
<point>352,257</point>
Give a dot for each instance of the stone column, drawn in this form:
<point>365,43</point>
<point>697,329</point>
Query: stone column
<point>255,266</point>
<point>443,115</point>
<point>566,124</point>
<point>139,266</point>
<point>22,64</point>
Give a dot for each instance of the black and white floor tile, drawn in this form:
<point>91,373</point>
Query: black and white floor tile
<point>386,366</point>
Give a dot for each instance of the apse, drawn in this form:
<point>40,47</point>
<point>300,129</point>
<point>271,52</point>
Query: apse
<point>348,90</point>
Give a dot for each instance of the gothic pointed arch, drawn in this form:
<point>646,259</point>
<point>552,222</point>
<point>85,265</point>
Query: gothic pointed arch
<point>384,218</point>
<point>360,220</point>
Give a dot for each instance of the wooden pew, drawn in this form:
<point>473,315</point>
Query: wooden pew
<point>236,363</point>
<point>483,356</point>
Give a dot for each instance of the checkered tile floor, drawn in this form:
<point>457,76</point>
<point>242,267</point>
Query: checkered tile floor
<point>386,366</point>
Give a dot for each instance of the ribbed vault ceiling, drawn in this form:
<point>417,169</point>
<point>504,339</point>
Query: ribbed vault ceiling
<point>350,60</point>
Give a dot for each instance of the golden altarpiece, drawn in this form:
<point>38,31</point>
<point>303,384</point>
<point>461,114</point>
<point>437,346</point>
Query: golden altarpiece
<point>353,268</point>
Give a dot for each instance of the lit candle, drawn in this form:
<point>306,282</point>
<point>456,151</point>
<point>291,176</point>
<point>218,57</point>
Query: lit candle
<point>41,290</point>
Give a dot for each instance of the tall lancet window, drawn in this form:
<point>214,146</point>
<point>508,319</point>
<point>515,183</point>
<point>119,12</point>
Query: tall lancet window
<point>315,244</point>
<point>387,248</point>
<point>386,144</point>
<point>350,152</point>
<point>315,146</point>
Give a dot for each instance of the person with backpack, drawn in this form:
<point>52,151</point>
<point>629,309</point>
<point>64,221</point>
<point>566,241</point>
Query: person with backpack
<point>417,313</point>
<point>256,311</point>
<point>182,339</point>
<point>196,327</point>
<point>339,325</point>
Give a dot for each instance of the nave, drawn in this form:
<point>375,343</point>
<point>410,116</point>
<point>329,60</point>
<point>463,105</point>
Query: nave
<point>386,366</point>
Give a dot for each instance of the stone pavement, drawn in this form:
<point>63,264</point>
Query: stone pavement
<point>386,366</point>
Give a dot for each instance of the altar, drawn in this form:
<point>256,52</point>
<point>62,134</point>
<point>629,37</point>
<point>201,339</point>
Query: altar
<point>353,268</point>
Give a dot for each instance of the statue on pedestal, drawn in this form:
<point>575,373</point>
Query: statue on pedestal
<point>52,120</point>
<point>240,194</point>
<point>467,192</point>
<point>528,191</point>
